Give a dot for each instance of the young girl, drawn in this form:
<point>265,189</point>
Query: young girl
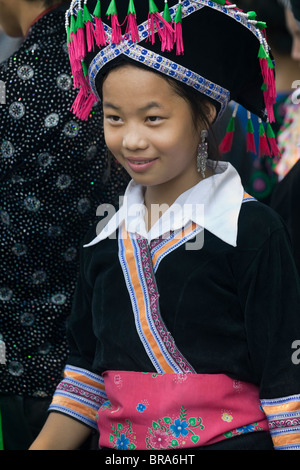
<point>186,317</point>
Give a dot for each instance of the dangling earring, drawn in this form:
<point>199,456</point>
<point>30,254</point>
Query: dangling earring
<point>202,154</point>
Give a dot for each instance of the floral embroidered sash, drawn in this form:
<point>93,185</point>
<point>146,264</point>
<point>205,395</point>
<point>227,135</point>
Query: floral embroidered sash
<point>171,411</point>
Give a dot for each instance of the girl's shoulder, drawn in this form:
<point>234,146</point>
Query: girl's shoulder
<point>257,223</point>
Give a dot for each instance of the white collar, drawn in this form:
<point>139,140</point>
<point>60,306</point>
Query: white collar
<point>214,204</point>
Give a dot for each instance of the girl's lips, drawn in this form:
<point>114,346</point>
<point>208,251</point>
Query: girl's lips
<point>140,164</point>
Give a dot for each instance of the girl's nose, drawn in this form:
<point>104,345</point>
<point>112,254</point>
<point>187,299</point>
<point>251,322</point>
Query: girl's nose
<point>134,140</point>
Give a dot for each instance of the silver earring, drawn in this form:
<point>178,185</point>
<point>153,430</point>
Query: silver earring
<point>202,154</point>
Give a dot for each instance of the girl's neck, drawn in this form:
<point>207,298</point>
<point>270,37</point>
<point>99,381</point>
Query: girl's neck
<point>164,195</point>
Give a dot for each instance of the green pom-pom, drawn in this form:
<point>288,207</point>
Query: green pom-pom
<point>261,129</point>
<point>166,13</point>
<point>152,7</point>
<point>261,25</point>
<point>262,53</point>
<point>73,27</point>
<point>112,8</point>
<point>178,16</point>
<point>131,8</point>
<point>86,14</point>
<point>264,87</point>
<point>79,20</point>
<point>85,69</point>
<point>252,15</point>
<point>231,125</point>
<point>250,127</point>
<point>97,11</point>
<point>270,132</point>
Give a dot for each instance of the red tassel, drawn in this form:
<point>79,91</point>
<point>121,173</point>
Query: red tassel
<point>179,39</point>
<point>116,29</point>
<point>226,144</point>
<point>77,72</point>
<point>168,39</point>
<point>178,30</point>
<point>100,36</point>
<point>251,143</point>
<point>168,32</point>
<point>79,101</point>
<point>269,103</point>
<point>275,152</point>
<point>83,83</point>
<point>90,36</point>
<point>264,149</point>
<point>152,22</point>
<point>131,28</point>
<point>86,107</point>
<point>80,44</point>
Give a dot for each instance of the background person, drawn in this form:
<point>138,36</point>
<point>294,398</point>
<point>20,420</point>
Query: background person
<point>53,176</point>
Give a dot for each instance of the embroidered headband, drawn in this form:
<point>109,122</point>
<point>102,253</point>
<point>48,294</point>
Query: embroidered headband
<point>211,46</point>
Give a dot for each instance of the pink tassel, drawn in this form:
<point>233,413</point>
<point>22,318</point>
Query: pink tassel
<point>86,107</point>
<point>168,39</point>
<point>263,146</point>
<point>275,152</point>
<point>82,83</point>
<point>90,36</point>
<point>226,143</point>
<point>179,39</point>
<point>76,68</point>
<point>264,67</point>
<point>116,30</point>
<point>269,102</point>
<point>153,21</point>
<point>131,28</point>
<point>100,35</point>
<point>80,45</point>
<point>251,143</point>
<point>79,101</point>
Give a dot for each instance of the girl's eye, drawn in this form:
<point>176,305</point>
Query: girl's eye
<point>113,118</point>
<point>154,118</point>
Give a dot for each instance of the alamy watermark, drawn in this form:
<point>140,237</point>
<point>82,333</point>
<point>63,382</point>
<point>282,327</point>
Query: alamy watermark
<point>167,221</point>
<point>2,352</point>
<point>2,92</point>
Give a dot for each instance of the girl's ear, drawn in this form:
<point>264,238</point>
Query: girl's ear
<point>212,112</point>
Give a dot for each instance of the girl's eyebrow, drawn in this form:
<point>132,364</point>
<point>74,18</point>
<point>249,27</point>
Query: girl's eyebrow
<point>152,104</point>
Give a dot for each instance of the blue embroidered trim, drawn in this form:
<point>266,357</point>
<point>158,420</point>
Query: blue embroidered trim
<point>279,401</point>
<point>85,373</point>
<point>67,411</point>
<point>180,242</point>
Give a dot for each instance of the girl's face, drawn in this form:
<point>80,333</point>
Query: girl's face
<point>149,128</point>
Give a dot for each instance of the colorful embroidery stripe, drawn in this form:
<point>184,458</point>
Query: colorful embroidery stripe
<point>176,239</point>
<point>137,268</point>
<point>80,397</point>
<point>66,408</point>
<point>248,198</point>
<point>284,421</point>
<point>83,375</point>
<point>131,265</point>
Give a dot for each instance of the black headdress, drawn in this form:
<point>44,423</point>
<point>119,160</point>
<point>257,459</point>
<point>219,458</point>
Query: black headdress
<point>211,46</point>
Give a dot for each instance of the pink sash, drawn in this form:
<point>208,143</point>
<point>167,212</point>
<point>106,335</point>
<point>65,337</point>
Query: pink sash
<point>172,411</point>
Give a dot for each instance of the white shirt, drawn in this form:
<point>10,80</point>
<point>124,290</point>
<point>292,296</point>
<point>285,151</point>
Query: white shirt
<point>214,204</point>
